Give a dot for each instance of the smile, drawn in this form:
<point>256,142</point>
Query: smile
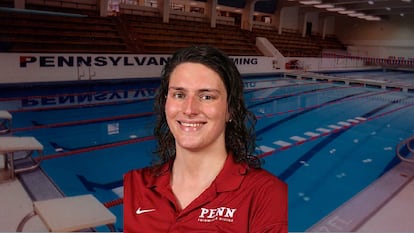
<point>193,125</point>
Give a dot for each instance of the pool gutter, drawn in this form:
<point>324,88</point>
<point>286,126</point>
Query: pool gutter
<point>37,184</point>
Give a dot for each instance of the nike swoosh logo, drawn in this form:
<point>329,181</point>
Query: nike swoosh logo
<point>139,211</point>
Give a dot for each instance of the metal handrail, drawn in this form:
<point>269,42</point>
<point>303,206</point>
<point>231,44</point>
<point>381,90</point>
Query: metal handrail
<point>5,122</point>
<point>410,148</point>
<point>406,143</point>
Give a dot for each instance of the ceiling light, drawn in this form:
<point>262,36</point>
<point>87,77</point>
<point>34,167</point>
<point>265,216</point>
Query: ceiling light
<point>324,6</point>
<point>402,14</point>
<point>336,9</point>
<point>372,18</point>
<point>406,0</point>
<point>356,14</point>
<point>387,8</point>
<point>310,2</point>
<point>365,17</point>
<point>371,2</point>
<point>346,12</point>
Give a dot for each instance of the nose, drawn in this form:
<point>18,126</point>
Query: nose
<point>191,106</point>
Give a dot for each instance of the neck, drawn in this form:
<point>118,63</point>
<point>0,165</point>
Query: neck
<point>198,166</point>
<point>192,173</point>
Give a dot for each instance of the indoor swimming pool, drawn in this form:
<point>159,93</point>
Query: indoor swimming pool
<point>327,141</point>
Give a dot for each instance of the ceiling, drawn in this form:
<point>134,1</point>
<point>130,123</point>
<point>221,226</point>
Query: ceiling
<point>384,9</point>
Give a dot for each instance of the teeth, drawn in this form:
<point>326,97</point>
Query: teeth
<point>191,124</point>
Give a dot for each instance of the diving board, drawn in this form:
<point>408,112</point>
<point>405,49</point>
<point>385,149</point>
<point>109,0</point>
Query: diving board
<point>10,147</point>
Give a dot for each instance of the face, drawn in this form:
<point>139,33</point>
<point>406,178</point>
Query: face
<point>196,108</point>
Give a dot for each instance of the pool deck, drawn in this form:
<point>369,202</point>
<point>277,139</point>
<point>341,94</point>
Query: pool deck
<point>384,206</point>
<point>406,85</point>
<point>395,215</point>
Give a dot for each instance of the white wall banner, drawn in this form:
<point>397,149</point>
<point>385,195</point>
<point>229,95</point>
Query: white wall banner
<point>35,67</point>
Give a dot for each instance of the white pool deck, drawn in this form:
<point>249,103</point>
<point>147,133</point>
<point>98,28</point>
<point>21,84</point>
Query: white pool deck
<point>395,216</point>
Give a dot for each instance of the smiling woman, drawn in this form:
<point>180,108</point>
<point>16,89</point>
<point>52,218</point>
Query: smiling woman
<point>207,178</point>
<point>196,110</point>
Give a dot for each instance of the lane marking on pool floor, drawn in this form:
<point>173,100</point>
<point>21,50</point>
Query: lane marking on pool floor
<point>323,130</point>
<point>281,143</point>
<point>311,134</point>
<point>308,136</point>
<point>334,127</point>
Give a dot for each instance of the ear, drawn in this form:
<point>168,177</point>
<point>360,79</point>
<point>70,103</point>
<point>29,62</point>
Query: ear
<point>228,116</point>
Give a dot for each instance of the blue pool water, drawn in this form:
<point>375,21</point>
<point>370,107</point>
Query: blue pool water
<point>327,141</point>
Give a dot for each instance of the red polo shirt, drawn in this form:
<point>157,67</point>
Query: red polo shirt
<point>239,200</point>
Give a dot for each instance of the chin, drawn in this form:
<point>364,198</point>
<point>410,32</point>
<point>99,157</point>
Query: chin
<point>190,146</point>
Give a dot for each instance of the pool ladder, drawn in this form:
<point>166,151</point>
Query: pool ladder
<point>406,146</point>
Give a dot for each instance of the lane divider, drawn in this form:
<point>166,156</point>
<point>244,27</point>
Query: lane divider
<point>113,203</point>
<point>82,122</point>
<point>334,128</point>
<point>312,91</point>
<point>262,115</point>
<point>93,148</point>
<point>299,140</point>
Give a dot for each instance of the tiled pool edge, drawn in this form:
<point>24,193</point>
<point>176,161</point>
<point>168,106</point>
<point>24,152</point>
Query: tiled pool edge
<point>355,212</point>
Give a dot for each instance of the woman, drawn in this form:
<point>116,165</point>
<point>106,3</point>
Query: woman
<point>206,179</point>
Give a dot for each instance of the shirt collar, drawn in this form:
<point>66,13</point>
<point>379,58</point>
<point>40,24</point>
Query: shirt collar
<point>229,178</point>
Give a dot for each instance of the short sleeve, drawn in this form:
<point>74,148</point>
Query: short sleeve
<point>269,211</point>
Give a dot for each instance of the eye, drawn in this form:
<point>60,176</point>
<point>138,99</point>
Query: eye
<point>207,97</point>
<point>178,95</point>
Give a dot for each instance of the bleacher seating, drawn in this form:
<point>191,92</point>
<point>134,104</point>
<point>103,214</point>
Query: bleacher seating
<point>290,44</point>
<point>7,3</point>
<point>85,7</point>
<point>130,33</point>
<point>159,37</point>
<point>293,44</point>
<point>330,42</point>
<point>30,32</point>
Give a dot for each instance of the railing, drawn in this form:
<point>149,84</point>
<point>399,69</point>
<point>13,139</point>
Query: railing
<point>5,122</point>
<point>407,148</point>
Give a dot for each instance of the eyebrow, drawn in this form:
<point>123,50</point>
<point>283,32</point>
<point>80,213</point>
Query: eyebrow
<point>200,90</point>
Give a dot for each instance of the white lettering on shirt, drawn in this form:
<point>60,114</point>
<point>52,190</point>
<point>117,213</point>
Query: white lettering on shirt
<point>221,214</point>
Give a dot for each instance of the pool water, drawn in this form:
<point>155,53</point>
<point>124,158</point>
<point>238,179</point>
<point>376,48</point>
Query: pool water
<point>327,141</point>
